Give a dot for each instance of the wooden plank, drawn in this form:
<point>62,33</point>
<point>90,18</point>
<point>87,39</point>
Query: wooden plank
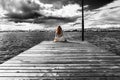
<point>81,52</point>
<point>67,53</point>
<point>68,50</point>
<point>62,52</point>
<point>66,58</point>
<point>73,56</point>
<point>27,54</point>
<point>55,65</point>
<point>63,48</point>
<point>62,60</point>
<point>41,59</point>
<point>56,74</point>
<point>65,62</point>
<point>66,67</point>
<point>63,78</point>
<point>59,71</point>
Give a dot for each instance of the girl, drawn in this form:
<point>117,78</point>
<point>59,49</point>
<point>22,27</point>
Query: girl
<point>59,35</point>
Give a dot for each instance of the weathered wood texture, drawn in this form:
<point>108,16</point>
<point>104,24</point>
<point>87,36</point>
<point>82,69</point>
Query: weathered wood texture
<point>62,61</point>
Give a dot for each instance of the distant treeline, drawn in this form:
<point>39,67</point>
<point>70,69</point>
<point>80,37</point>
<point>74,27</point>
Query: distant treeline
<point>112,29</point>
<point>72,30</point>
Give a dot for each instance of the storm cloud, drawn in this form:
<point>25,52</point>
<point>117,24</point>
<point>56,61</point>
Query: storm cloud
<point>36,8</point>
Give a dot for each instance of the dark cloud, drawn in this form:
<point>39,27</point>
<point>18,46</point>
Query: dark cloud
<point>20,9</point>
<point>93,4</point>
<point>24,16</point>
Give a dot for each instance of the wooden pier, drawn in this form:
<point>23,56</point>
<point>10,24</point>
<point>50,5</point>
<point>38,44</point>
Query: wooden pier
<point>73,60</point>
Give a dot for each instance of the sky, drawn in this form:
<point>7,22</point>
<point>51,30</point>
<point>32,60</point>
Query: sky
<point>58,8</point>
<point>67,12</point>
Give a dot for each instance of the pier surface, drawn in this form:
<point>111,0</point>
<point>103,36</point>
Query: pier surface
<point>73,60</point>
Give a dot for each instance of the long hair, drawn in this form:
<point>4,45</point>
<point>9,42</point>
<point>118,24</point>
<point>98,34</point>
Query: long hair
<point>59,30</point>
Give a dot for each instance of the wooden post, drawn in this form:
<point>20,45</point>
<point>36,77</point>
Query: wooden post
<point>82,20</point>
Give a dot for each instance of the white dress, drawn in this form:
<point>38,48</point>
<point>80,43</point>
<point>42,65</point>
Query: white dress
<point>59,38</point>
